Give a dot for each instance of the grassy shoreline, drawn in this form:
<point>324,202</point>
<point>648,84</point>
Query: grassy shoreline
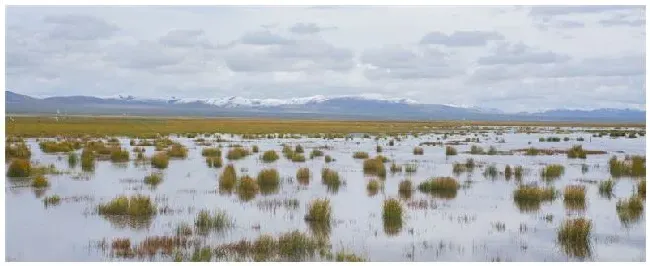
<point>43,126</point>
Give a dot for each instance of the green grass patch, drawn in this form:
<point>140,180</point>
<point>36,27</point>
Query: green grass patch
<point>270,156</point>
<point>211,152</point>
<point>360,155</point>
<point>153,179</point>
<point>228,178</point>
<point>268,180</point>
<point>418,151</point>
<point>237,153</point>
<point>160,160</point>
<point>331,179</point>
<point>19,168</point>
<point>137,205</point>
<point>573,236</point>
<point>303,175</point>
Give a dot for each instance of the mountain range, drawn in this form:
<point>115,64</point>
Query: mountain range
<point>371,107</point>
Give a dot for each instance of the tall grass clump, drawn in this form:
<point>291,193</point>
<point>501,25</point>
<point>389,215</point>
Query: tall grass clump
<point>214,161</point>
<point>63,146</point>
<point>379,149</point>
<point>445,187</point>
<point>630,166</point>
<point>508,172</point>
<point>629,210</point>
<point>450,151</point>
<point>330,178</point>
<point>52,200</point>
<point>640,189</point>
<point>574,196</point>
<point>395,168</point>
<point>228,178</point>
<point>492,151</point>
<point>270,156</point>
<point>255,149</point>
<point>392,213</point>
<point>298,158</point>
<point>573,236</point>
<point>372,187</point>
<point>319,211</point>
<point>529,198</point>
<point>247,188</point>
<point>476,150</point>
<point>40,182</point>
<point>211,152</point>
<point>73,159</point>
<point>360,155</point>
<point>418,151</point>
<point>411,168</point>
<point>374,166</point>
<point>137,205</point>
<point>206,221</point>
<point>160,160</point>
<point>316,153</point>
<point>405,188</point>
<point>303,175</point>
<point>299,149</point>
<point>606,187</point>
<point>119,156</point>
<point>19,168</point>
<point>177,151</point>
<point>576,152</point>
<point>491,171</point>
<point>552,171</point>
<point>519,172</point>
<point>87,160</point>
<point>268,180</point>
<point>328,159</point>
<point>237,153</point>
<point>153,179</point>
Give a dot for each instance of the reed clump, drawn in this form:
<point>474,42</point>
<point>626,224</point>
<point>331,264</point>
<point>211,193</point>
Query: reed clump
<point>212,221</point>
<point>52,200</point>
<point>374,166</point>
<point>211,152</point>
<point>268,180</point>
<point>237,153</point>
<point>450,151</point>
<point>552,171</point>
<point>418,151</point>
<point>19,151</point>
<point>228,178</point>
<point>153,179</point>
<point>372,187</point>
<point>631,166</point>
<point>445,187</point>
<point>270,156</point>
<point>319,211</point>
<point>119,156</point>
<point>177,151</point>
<point>137,205</point>
<point>160,160</point>
<point>214,161</point>
<point>606,187</point>
<point>573,236</point>
<point>360,155</point>
<point>576,152</point>
<point>330,178</point>
<point>303,175</point>
<point>630,210</point>
<point>574,196</point>
<point>247,188</point>
<point>19,168</point>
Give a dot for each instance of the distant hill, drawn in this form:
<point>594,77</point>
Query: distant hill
<point>338,107</point>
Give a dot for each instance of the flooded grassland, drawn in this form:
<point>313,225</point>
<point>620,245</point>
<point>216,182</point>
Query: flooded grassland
<point>480,194</point>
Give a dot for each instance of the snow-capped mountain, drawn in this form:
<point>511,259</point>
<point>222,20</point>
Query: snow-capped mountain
<point>369,106</point>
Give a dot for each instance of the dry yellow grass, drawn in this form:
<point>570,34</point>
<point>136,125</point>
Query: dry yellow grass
<point>29,126</point>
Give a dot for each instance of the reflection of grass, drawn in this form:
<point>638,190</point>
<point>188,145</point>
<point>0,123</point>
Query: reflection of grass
<point>52,200</point>
<point>319,211</point>
<point>214,162</point>
<point>573,236</point>
<point>629,210</point>
<point>405,189</point>
<point>445,187</point>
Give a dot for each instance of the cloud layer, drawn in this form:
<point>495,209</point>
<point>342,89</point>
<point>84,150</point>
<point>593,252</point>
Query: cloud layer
<point>511,58</point>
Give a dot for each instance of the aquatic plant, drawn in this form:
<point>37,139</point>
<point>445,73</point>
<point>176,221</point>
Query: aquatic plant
<point>160,160</point>
<point>476,150</point>
<point>177,151</point>
<point>73,159</point>
<point>491,171</point>
<point>418,151</point>
<point>605,188</point>
<point>445,187</point>
<point>319,211</point>
<point>268,180</point>
<point>52,200</point>
<point>298,158</point>
<point>374,166</point>
<point>492,151</point>
<point>255,149</point>
<point>63,146</point>
<point>410,168</point>
<point>299,149</point>
<point>508,172</point>
<point>379,149</point>
<point>631,166</point>
<point>343,256</point>
<point>395,168</point>
<point>328,159</point>
<point>640,188</point>
<point>87,160</point>
<point>372,187</point>
<point>330,178</point>
<point>316,153</point>
<point>519,172</point>
<point>20,151</point>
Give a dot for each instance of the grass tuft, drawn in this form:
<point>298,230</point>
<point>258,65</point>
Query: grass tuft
<point>303,175</point>
<point>247,188</point>
<point>450,151</point>
<point>360,155</point>
<point>153,179</point>
<point>137,205</point>
<point>270,156</point>
<point>160,160</point>
<point>19,168</point>
<point>573,236</point>
<point>228,178</point>
<point>418,151</point>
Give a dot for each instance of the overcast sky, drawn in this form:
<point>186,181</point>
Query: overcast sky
<point>511,58</point>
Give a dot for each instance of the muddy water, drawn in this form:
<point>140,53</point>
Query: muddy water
<point>458,229</point>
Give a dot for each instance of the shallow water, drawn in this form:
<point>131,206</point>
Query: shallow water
<point>458,229</point>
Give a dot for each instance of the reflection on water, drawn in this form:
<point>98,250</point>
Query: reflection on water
<point>461,220</point>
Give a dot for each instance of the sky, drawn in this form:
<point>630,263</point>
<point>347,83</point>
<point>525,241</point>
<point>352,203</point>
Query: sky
<point>513,58</point>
